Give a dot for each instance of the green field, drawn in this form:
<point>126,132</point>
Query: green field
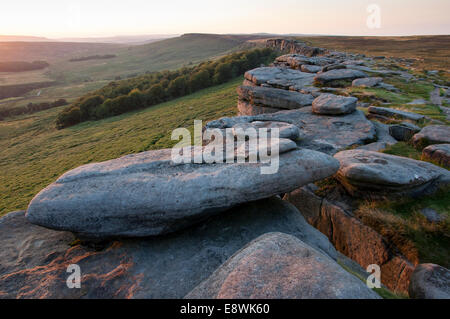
<point>34,153</point>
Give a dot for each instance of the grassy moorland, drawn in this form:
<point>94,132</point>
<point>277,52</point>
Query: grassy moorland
<point>34,153</point>
<point>428,52</point>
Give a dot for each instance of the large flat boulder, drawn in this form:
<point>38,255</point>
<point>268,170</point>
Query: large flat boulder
<point>146,194</point>
<point>296,61</point>
<point>280,266</point>
<point>432,134</point>
<point>323,133</point>
<point>330,104</point>
<point>367,82</point>
<point>34,260</point>
<point>282,78</point>
<point>366,173</point>
<point>274,98</point>
<point>430,281</point>
<point>339,75</point>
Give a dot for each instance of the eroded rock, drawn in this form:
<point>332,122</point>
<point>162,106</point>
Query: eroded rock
<point>280,266</point>
<point>430,281</point>
<point>439,153</point>
<point>330,104</point>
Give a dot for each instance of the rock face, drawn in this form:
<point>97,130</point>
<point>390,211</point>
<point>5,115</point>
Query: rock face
<point>393,113</point>
<point>330,104</point>
<point>293,46</point>
<point>297,62</point>
<point>439,153</point>
<point>433,134</point>
<point>270,99</point>
<point>404,131</point>
<point>337,75</point>
<point>365,173</point>
<point>35,259</point>
<point>280,266</point>
<point>384,139</point>
<point>430,281</point>
<point>328,134</point>
<point>352,238</point>
<point>147,194</point>
<point>282,78</point>
<point>367,82</point>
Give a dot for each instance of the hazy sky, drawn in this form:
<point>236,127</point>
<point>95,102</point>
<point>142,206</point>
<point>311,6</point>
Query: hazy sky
<point>68,18</point>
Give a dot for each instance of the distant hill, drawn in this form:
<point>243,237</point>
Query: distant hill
<point>132,39</point>
<point>16,38</point>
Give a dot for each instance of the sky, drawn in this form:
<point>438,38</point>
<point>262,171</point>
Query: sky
<point>99,18</point>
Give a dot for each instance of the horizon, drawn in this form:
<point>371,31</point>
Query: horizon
<point>82,19</point>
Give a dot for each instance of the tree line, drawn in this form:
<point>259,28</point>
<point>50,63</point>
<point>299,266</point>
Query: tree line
<point>20,66</point>
<point>119,97</point>
<point>31,108</point>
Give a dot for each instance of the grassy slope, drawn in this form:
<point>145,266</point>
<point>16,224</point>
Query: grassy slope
<point>34,153</point>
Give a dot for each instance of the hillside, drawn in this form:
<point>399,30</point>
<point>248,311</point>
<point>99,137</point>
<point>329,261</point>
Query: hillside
<point>35,153</point>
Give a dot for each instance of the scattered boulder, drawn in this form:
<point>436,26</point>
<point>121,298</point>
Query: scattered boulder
<point>366,173</point>
<point>438,153</point>
<point>330,104</point>
<point>367,82</point>
<point>147,194</point>
<point>393,113</point>
<point>432,134</point>
<point>282,78</point>
<point>280,266</point>
<point>404,131</point>
<point>35,259</point>
<point>286,130</point>
<point>328,77</point>
<point>430,281</point>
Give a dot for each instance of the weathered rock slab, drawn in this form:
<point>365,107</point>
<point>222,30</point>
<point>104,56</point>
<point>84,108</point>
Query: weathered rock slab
<point>368,173</point>
<point>430,281</point>
<point>282,78</point>
<point>403,131</point>
<point>34,260</point>
<point>279,266</point>
<point>367,82</point>
<point>339,74</point>
<point>146,194</point>
<point>274,98</point>
<point>394,113</point>
<point>330,104</point>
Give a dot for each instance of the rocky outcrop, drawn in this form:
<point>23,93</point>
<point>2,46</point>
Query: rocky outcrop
<point>353,238</point>
<point>147,194</point>
<point>328,134</point>
<point>430,281</point>
<point>330,104</point>
<point>35,259</point>
<point>366,173</point>
<point>279,266</point>
<point>292,46</point>
<point>439,153</point>
<point>384,139</point>
<point>432,134</point>
<point>259,100</point>
<point>384,112</point>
